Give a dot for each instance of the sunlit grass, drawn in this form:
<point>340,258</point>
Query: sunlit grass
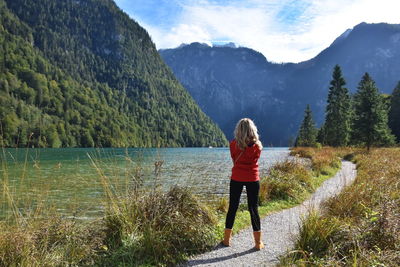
<point>360,226</point>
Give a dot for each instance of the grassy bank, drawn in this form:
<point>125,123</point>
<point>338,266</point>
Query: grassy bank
<point>150,228</point>
<point>147,226</point>
<point>360,226</point>
<point>140,225</point>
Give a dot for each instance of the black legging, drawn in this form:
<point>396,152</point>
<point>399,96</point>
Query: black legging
<point>235,190</point>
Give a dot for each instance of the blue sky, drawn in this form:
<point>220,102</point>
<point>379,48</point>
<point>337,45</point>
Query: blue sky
<point>283,30</point>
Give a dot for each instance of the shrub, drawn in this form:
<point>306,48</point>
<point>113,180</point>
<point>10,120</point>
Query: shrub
<point>159,227</point>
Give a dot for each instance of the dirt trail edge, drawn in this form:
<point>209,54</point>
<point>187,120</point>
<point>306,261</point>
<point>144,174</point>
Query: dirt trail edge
<point>279,229</point>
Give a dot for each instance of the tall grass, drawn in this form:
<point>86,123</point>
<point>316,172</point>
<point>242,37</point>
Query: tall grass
<point>288,180</point>
<point>140,226</point>
<point>32,231</point>
<point>53,241</point>
<point>159,227</point>
<point>361,225</point>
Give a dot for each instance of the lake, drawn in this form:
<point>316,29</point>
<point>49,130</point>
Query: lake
<point>70,179</point>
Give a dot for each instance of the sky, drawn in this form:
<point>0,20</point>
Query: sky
<point>282,30</point>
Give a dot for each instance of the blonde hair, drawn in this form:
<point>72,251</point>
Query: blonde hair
<point>246,133</point>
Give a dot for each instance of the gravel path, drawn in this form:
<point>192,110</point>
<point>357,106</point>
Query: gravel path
<point>279,230</point>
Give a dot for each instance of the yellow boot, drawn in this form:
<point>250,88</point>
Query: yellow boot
<point>227,237</point>
<point>257,239</point>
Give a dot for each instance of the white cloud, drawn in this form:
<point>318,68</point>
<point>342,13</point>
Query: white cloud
<point>187,33</point>
<point>284,31</point>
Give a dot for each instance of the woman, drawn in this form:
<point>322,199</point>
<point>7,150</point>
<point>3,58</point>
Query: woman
<point>245,152</point>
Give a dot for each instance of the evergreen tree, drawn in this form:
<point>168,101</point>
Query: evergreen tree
<point>338,112</point>
<point>370,126</point>
<point>321,135</point>
<point>308,132</point>
<point>394,113</point>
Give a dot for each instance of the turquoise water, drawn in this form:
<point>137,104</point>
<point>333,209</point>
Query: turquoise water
<point>70,179</point>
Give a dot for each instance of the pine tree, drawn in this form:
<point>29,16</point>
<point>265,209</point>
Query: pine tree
<point>338,112</point>
<point>370,125</point>
<point>308,132</point>
<point>394,113</point>
<point>321,135</point>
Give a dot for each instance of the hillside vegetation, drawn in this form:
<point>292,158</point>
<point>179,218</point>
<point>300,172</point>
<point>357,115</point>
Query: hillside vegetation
<point>82,73</point>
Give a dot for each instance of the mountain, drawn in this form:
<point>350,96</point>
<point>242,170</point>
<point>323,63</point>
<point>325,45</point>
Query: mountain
<point>82,73</point>
<point>229,83</point>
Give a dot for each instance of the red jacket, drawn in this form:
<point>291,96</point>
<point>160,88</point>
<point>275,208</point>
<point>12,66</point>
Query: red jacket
<point>245,167</point>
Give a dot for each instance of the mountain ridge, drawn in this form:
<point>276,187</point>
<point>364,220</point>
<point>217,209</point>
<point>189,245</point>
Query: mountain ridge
<point>281,91</point>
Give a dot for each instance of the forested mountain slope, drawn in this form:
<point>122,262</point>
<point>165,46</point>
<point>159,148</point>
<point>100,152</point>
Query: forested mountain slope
<point>82,73</point>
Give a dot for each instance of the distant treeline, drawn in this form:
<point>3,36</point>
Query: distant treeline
<point>366,118</point>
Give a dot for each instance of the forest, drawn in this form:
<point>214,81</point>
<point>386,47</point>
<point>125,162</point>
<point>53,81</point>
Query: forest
<point>89,77</point>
